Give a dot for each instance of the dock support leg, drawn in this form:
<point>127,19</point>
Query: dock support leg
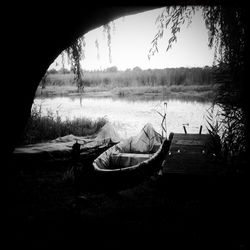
<point>185,129</point>
<point>200,130</point>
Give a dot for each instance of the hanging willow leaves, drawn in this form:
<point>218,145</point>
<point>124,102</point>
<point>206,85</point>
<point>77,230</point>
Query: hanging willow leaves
<point>107,30</point>
<point>97,48</point>
<point>226,27</point>
<point>227,33</point>
<point>75,53</point>
<point>175,16</point>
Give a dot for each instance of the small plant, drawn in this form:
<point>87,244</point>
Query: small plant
<point>215,129</point>
<point>214,126</point>
<point>163,121</point>
<point>226,127</point>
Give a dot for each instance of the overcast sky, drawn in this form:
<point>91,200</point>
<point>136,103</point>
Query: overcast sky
<point>131,41</point>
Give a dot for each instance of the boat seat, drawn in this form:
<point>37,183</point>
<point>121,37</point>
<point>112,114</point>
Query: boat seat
<point>122,160</point>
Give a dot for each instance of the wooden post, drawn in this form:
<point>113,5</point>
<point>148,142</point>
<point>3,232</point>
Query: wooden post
<point>184,129</point>
<point>200,130</point>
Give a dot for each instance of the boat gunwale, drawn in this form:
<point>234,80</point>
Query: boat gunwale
<point>129,168</point>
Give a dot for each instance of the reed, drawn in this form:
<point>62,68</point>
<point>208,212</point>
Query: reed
<point>163,121</point>
<point>139,77</point>
<point>43,128</point>
<point>227,130</point>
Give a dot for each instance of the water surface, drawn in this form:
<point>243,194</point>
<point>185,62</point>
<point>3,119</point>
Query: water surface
<point>129,116</point>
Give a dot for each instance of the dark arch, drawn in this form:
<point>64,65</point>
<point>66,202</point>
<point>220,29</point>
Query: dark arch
<point>38,35</point>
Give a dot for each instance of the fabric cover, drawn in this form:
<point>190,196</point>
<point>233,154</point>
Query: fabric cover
<point>62,146</point>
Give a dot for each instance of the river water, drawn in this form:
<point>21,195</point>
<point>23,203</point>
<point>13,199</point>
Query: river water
<point>129,116</point>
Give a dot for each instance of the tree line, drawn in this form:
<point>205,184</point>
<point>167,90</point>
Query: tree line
<point>139,77</point>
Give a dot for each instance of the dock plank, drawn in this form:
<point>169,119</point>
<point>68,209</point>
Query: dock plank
<point>191,154</point>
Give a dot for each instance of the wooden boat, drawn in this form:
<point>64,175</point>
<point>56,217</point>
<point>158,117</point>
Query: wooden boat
<point>65,151</point>
<point>130,161</point>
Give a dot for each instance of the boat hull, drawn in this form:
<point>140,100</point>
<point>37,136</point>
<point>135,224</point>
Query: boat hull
<point>126,177</point>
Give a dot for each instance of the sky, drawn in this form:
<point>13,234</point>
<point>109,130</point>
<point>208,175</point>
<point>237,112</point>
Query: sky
<point>131,38</point>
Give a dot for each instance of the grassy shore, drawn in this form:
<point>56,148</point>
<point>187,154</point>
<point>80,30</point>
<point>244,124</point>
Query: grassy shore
<point>197,92</point>
<point>43,128</point>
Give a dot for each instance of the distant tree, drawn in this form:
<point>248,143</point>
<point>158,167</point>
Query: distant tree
<point>107,31</point>
<point>63,71</point>
<point>112,69</point>
<point>137,68</point>
<point>52,71</point>
<point>75,53</point>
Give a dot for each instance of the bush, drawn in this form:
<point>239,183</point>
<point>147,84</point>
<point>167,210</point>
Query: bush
<point>52,71</point>
<point>43,128</point>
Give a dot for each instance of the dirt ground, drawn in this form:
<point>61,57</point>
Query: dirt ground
<point>163,212</point>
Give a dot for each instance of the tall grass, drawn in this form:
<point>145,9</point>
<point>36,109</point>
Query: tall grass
<point>226,129</point>
<point>138,77</point>
<point>43,128</point>
<point>177,83</point>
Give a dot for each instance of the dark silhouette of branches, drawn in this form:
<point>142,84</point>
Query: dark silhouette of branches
<point>175,16</point>
<point>75,53</point>
<point>226,25</point>
<point>107,30</point>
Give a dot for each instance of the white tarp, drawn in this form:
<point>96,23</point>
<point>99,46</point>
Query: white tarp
<point>63,145</point>
<point>147,141</point>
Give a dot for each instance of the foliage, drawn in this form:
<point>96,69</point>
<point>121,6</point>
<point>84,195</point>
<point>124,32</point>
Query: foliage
<point>222,127</point>
<point>232,128</point>
<point>156,77</point>
<point>164,121</point>
<point>41,128</point>
<point>64,71</point>
<point>52,71</point>
<point>196,84</point>
<point>75,53</point>
<point>107,30</point>
<point>97,48</point>
<point>226,25</point>
<point>112,69</point>
<point>175,15</point>
<point>229,40</point>
<point>214,127</point>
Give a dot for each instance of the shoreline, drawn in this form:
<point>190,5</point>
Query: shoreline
<point>201,93</point>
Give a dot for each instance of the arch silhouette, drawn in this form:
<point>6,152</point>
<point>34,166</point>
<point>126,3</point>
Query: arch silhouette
<point>38,34</point>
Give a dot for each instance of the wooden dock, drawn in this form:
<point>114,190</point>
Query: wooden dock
<point>192,154</point>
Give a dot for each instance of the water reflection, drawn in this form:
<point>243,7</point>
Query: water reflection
<point>129,116</point>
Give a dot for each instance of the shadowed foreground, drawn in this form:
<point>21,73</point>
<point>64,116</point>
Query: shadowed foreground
<point>201,212</point>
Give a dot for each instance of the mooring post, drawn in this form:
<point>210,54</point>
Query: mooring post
<point>200,130</point>
<point>184,129</point>
<point>75,152</point>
